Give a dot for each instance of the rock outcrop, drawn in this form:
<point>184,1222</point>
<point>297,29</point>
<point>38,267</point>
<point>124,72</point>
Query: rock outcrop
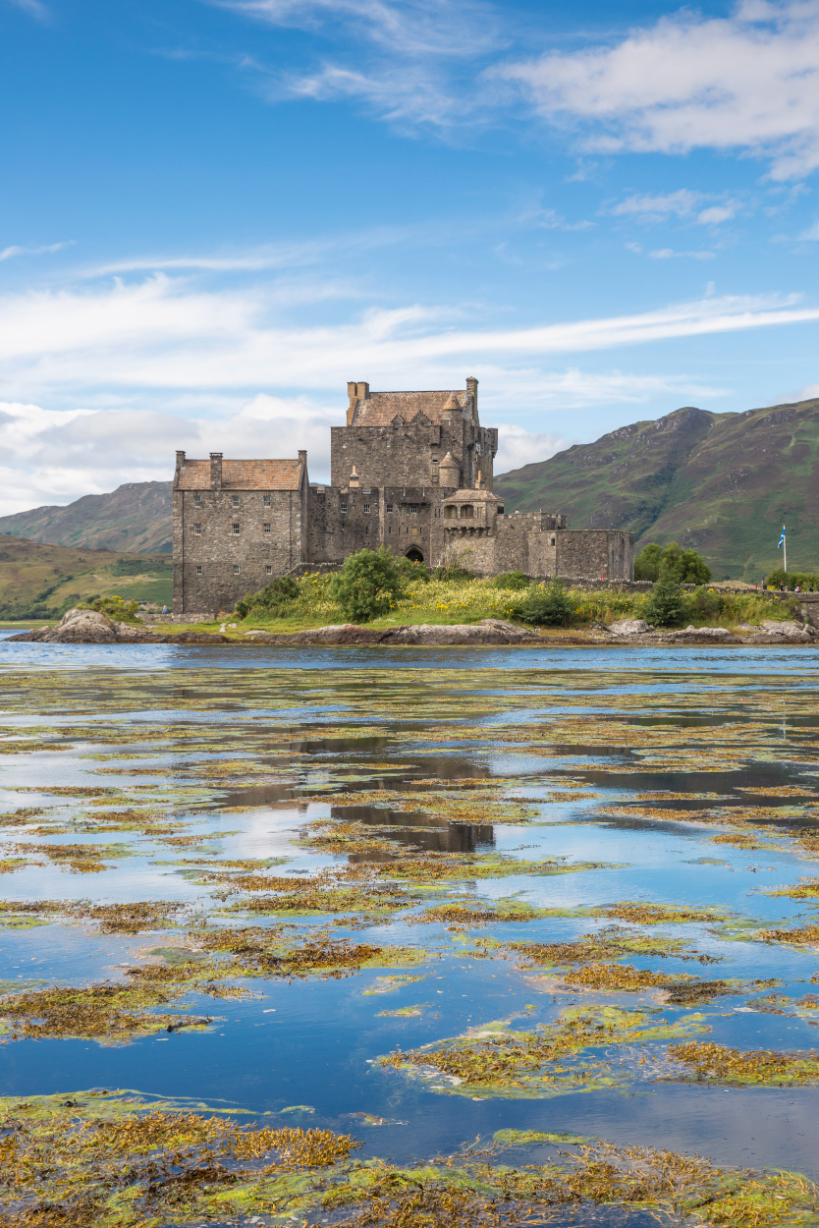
<point>487,632</point>
<point>92,627</point>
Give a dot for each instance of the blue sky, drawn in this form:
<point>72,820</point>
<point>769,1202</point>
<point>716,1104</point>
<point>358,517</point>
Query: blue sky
<point>215,214</point>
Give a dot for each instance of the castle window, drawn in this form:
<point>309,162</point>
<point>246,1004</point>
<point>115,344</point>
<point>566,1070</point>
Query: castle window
<point>450,513</point>
<point>234,500</point>
<point>414,509</point>
<point>235,569</point>
<point>199,571</point>
<point>366,507</point>
<point>197,528</point>
<point>467,512</point>
<point>365,492</point>
<point>236,530</point>
<point>268,571</point>
<point>266,528</point>
<point>197,500</point>
<point>266,500</point>
<point>435,460</point>
<point>389,507</point>
<point>343,507</point>
<point>551,541</point>
<point>500,510</point>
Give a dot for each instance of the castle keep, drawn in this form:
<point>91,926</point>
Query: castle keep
<point>410,470</point>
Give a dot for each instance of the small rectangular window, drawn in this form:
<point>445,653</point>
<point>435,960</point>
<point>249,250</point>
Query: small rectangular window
<point>366,507</point>
<point>435,460</point>
<point>197,500</point>
<point>343,507</point>
<point>197,528</point>
<point>234,500</point>
<point>236,530</point>
<point>414,509</point>
<point>365,492</point>
<point>235,569</point>
<point>266,501</point>
<point>389,507</point>
<point>266,528</point>
<point>268,571</point>
<point>199,571</point>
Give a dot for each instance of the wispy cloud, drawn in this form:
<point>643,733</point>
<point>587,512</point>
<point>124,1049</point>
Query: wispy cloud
<point>34,7</point>
<point>7,253</point>
<point>668,253</point>
<point>746,82</point>
<point>162,333</point>
<point>682,204</point>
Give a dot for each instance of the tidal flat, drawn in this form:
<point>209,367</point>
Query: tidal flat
<point>484,938</point>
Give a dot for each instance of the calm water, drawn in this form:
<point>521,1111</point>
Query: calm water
<point>633,760</point>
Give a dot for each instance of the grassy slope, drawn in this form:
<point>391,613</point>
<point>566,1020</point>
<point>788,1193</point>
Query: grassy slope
<point>723,483</point>
<point>29,569</point>
<point>135,517</point>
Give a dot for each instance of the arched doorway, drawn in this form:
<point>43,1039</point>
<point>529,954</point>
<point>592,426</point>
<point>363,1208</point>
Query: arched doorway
<point>414,555</point>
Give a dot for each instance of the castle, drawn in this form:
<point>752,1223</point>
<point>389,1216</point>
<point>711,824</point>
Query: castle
<point>410,470</point>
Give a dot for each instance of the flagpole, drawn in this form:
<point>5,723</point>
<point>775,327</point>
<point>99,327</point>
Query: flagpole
<point>785,549</point>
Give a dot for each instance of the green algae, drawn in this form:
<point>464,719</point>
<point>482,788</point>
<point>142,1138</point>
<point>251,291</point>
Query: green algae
<point>389,984</point>
<point>711,1063</point>
<point>497,1061</point>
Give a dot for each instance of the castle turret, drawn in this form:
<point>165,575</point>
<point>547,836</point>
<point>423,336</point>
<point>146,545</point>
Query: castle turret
<point>449,472</point>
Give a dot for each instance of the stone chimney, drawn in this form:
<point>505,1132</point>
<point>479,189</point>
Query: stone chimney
<point>303,457</point>
<point>480,484</point>
<point>352,393</point>
<point>216,471</point>
<point>472,386</point>
<point>449,472</point>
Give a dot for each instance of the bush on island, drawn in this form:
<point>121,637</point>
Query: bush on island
<point>687,566</point>
<point>272,600</point>
<point>514,580</point>
<point>367,585</point>
<point>667,606</point>
<point>547,605</point>
<point>806,580</point>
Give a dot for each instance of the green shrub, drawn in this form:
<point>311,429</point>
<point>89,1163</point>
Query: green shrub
<point>453,573</point>
<point>514,580</point>
<point>706,604</point>
<point>114,607</point>
<point>547,605</point>
<point>687,566</point>
<point>412,569</point>
<point>272,599</point>
<point>667,605</point>
<point>367,585</point>
<point>804,579</point>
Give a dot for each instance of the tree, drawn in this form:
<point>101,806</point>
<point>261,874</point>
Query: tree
<point>688,566</point>
<point>367,585</point>
<point>648,562</point>
<point>547,606</point>
<point>667,606</point>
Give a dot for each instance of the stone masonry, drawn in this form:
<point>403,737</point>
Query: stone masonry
<point>410,470</point>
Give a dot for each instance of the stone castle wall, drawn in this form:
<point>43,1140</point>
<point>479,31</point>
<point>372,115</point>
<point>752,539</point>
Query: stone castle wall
<point>214,565</point>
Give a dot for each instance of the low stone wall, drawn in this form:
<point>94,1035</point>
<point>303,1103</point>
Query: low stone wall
<point>179,620</point>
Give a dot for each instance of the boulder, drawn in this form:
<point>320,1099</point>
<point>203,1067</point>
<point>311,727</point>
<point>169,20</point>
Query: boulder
<point>629,626</point>
<point>89,627</point>
<point>789,628</point>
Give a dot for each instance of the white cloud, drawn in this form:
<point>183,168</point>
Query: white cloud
<point>163,334</point>
<point>746,82</point>
<point>518,447</point>
<point>668,253</point>
<point>8,252</point>
<point>652,208</point>
<point>34,7</point>
<point>715,215</point>
<point>812,233</point>
<point>410,28</point>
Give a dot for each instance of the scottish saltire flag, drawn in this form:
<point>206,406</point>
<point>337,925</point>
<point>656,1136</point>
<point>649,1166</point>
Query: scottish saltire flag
<point>782,538</point>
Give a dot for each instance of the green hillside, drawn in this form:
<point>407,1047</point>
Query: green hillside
<point>135,517</point>
<point>722,483</point>
<point>43,581</point>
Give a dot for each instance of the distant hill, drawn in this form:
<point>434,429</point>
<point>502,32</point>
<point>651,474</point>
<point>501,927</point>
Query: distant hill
<point>722,483</point>
<point>42,581</point>
<point>136,516</point>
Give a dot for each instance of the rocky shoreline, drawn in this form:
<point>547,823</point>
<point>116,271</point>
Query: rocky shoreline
<point>90,627</point>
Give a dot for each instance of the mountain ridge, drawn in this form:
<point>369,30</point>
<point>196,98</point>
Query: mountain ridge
<point>136,518</point>
<point>723,484</point>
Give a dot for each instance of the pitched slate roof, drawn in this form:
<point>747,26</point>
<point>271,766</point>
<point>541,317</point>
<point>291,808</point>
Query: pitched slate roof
<point>380,408</point>
<point>243,475</point>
